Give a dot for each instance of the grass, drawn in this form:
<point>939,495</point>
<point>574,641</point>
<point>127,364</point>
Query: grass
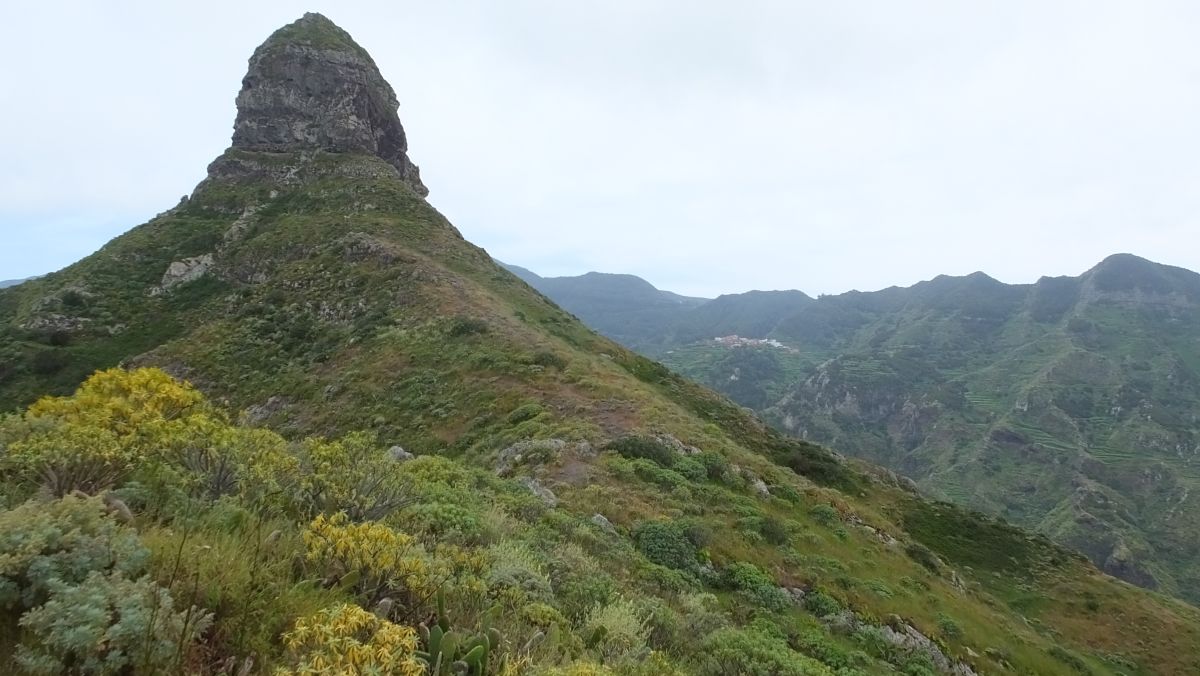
<point>384,319</point>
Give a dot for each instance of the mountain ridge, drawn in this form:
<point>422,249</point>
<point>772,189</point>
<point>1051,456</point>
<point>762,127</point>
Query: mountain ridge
<point>874,373</point>
<point>574,507</point>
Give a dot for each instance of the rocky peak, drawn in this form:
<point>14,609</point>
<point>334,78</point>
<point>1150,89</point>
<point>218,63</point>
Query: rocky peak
<point>310,86</point>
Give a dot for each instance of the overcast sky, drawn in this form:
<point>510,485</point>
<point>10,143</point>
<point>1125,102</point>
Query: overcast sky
<point>709,147</point>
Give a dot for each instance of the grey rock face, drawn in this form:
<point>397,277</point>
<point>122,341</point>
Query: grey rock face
<point>398,454</point>
<point>528,452</point>
<point>186,270</point>
<point>604,524</point>
<point>311,87</point>
<point>544,494</point>
<point>259,413</point>
<point>909,639</point>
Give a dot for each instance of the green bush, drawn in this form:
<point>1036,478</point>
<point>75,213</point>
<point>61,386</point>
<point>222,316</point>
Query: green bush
<point>578,595</point>
<point>690,468</point>
<point>60,543</point>
<point>516,566</point>
<point>821,604</point>
<point>753,652</point>
<point>948,627</point>
<point>617,630</point>
<point>715,464</point>
<point>352,475</point>
<point>922,555</point>
<point>816,643</point>
<point>648,470</point>
<point>756,584</point>
<point>466,326</point>
<point>61,457</point>
<point>666,543</point>
<point>824,514</point>
<point>108,624</point>
<point>548,359</point>
<point>523,413</point>
<point>642,447</point>
<point>765,528</point>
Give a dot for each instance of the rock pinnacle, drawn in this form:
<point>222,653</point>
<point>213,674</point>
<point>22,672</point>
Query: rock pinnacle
<point>310,86</point>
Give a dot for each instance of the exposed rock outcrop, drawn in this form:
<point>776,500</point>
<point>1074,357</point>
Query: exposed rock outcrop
<point>311,87</point>
<point>186,270</point>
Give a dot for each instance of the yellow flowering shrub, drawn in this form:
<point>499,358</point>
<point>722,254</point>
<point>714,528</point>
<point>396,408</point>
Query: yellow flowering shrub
<point>63,457</point>
<point>346,639</point>
<point>383,560</point>
<point>91,440</point>
<point>123,400</point>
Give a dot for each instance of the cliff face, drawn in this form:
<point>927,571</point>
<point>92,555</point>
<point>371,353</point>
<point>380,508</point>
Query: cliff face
<point>311,87</point>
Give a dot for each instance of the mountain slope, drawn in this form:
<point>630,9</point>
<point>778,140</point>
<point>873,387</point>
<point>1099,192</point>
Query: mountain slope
<point>1068,405</point>
<point>308,285</point>
<point>622,307</point>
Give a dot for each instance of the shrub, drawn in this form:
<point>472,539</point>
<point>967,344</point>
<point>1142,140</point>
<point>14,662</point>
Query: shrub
<point>549,360</point>
<point>108,624</point>
<point>667,579</point>
<point>642,447</point>
<point>948,627</point>
<point>516,566</point>
<point>616,630</point>
<point>347,639</point>
<point>786,492</point>
<point>244,570</point>
<point>816,643</point>
<point>466,326</point>
<point>690,468</point>
<point>91,440</point>
<point>61,542</point>
<point>764,528</point>
<point>220,460</point>
<point>523,413</point>
<point>1075,662</point>
<point>922,555</point>
<point>122,400</point>
<point>578,595</point>
<point>444,520</point>
<point>648,470</point>
<point>543,616</point>
<point>351,475</point>
<point>380,560</point>
<point>63,457</point>
<point>757,584</point>
<point>716,466</point>
<point>824,514</point>
<point>49,362</point>
<point>666,543</point>
<point>742,575</point>
<point>821,604</point>
<point>752,652</point>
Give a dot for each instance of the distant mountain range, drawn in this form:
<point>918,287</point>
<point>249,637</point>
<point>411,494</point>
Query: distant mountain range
<point>626,308</point>
<point>12,282</point>
<point>1071,405</point>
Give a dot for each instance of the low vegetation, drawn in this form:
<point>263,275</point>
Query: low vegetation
<point>175,541</point>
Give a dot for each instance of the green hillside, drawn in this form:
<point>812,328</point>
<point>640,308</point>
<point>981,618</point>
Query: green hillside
<point>391,455</point>
<point>1068,406</point>
<point>626,308</point>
